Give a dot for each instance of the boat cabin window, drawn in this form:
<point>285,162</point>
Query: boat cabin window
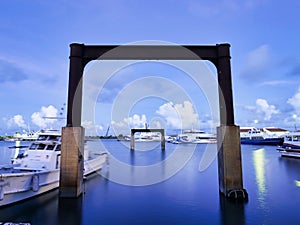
<point>53,138</point>
<point>41,147</point>
<point>33,146</point>
<point>57,148</point>
<point>42,137</point>
<point>296,138</point>
<point>292,138</point>
<point>50,147</point>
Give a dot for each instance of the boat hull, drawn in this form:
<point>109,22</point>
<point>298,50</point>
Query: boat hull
<point>289,151</point>
<point>15,187</point>
<point>294,153</point>
<point>267,141</point>
<point>19,186</point>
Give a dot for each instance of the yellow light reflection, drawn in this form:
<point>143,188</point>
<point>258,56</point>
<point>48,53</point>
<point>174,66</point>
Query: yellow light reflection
<point>259,166</point>
<point>297,183</point>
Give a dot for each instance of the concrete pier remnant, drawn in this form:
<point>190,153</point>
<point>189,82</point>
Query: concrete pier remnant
<point>229,158</point>
<point>71,167</point>
<point>230,162</point>
<point>161,131</point>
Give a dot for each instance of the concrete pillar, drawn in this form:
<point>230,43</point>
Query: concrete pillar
<point>163,141</point>
<point>230,162</point>
<point>71,167</point>
<point>132,141</point>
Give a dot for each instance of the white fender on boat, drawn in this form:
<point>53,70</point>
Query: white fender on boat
<point>35,183</point>
<point>2,184</point>
<point>1,192</point>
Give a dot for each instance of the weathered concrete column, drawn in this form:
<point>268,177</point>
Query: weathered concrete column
<point>71,166</point>
<point>230,162</point>
<point>163,141</point>
<point>132,141</point>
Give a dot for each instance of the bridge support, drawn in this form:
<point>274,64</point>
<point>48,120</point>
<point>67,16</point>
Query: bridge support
<point>229,156</point>
<point>230,162</point>
<point>71,167</point>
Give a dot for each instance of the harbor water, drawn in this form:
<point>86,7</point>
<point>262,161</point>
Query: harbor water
<point>189,196</point>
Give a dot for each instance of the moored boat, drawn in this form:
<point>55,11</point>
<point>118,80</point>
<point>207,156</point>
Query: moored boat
<point>255,136</point>
<point>195,137</point>
<point>291,145</point>
<point>37,170</point>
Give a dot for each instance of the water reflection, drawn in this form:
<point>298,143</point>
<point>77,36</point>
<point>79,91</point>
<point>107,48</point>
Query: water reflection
<point>69,211</point>
<point>292,167</point>
<point>232,212</point>
<point>259,166</point>
<point>40,210</point>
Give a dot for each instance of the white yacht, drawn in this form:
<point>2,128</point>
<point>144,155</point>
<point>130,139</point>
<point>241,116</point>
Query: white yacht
<point>36,171</point>
<point>147,137</point>
<point>291,145</point>
<point>264,136</point>
<point>195,137</point>
<point>26,136</point>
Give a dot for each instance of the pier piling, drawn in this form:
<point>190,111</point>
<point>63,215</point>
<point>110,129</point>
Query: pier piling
<point>230,162</point>
<point>71,168</point>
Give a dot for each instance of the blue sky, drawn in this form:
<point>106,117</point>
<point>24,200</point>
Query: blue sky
<point>35,38</point>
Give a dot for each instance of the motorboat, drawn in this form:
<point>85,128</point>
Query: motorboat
<point>291,145</point>
<point>37,169</point>
<point>26,136</point>
<point>256,136</point>
<point>143,137</point>
<point>195,137</point>
<point>147,137</point>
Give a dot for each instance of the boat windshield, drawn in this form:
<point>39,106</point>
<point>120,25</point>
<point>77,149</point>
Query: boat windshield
<point>293,138</point>
<point>42,137</point>
<point>50,147</point>
<point>33,146</point>
<point>41,147</point>
<point>57,148</point>
<point>53,138</point>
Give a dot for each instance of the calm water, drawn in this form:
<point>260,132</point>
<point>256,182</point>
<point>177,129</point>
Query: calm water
<point>188,197</point>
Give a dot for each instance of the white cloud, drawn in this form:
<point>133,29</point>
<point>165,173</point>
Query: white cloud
<point>45,116</point>
<point>179,116</point>
<point>136,121</point>
<point>124,126</point>
<point>295,101</point>
<point>91,129</point>
<point>257,63</point>
<point>16,120</point>
<point>207,9</point>
<point>276,82</point>
<point>259,57</point>
<point>175,116</point>
<point>264,107</point>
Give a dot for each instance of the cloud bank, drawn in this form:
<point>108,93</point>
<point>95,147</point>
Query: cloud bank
<point>45,117</point>
<point>16,121</point>
<point>179,115</point>
<point>266,109</point>
<point>295,101</point>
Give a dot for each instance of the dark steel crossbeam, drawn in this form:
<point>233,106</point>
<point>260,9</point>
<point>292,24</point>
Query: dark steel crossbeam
<point>149,52</point>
